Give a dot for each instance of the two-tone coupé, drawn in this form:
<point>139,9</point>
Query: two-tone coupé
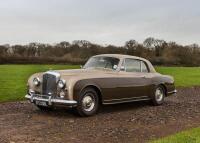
<point>104,79</point>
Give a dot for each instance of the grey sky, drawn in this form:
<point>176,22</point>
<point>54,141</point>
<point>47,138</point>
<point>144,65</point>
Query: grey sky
<point>99,21</point>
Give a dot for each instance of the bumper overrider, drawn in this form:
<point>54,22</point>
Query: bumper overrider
<point>49,100</point>
<point>172,92</point>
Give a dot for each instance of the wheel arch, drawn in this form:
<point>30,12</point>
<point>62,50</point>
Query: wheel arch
<point>81,85</point>
<point>164,87</point>
<point>97,89</point>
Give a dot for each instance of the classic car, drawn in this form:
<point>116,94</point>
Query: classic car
<point>104,79</point>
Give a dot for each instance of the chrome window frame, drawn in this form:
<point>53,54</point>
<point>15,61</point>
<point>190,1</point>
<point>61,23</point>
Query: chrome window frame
<point>141,61</point>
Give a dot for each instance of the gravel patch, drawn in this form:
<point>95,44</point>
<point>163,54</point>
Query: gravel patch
<point>21,122</point>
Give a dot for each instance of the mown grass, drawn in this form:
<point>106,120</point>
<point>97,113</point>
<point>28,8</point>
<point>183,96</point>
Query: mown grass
<point>184,76</point>
<point>13,78</point>
<point>190,136</point>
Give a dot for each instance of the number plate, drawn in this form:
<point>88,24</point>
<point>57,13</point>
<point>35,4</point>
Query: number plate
<point>41,103</point>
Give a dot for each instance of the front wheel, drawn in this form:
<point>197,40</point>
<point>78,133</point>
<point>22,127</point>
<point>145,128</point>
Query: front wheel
<point>159,95</point>
<point>88,102</point>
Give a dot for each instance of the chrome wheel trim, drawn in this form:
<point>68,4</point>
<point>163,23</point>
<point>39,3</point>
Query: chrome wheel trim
<point>88,103</point>
<point>159,94</point>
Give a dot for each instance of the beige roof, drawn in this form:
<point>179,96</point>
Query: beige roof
<point>121,56</point>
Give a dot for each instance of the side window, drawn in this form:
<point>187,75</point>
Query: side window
<point>132,65</point>
<point>144,67</point>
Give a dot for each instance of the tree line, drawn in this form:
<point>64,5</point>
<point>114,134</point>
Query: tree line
<point>159,52</point>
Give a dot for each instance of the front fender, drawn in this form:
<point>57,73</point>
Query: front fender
<point>166,81</point>
<point>82,84</point>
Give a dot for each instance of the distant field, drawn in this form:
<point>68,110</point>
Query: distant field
<point>190,136</point>
<point>13,78</point>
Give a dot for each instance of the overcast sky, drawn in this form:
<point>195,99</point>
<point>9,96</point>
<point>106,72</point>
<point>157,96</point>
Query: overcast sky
<point>99,21</point>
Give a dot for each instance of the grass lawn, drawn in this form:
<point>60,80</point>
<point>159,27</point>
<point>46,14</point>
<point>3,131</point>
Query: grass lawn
<point>190,136</point>
<point>13,78</point>
<point>184,76</point>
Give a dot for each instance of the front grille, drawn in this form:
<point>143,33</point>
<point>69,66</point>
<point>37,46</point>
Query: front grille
<point>49,85</point>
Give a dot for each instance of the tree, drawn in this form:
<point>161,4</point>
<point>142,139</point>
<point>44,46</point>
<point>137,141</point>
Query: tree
<point>149,43</point>
<point>82,43</point>
<point>131,46</point>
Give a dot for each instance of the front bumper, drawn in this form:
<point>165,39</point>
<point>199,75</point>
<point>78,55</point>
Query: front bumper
<point>50,100</point>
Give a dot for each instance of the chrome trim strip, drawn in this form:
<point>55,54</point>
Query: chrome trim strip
<point>131,98</point>
<point>49,100</point>
<point>117,102</point>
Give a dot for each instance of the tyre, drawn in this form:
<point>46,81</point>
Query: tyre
<point>159,95</point>
<point>88,102</point>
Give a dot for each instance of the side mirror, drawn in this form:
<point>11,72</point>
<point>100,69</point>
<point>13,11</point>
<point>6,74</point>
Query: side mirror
<point>122,68</point>
<point>81,66</point>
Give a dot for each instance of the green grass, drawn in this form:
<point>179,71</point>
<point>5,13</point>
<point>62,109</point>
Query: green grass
<point>13,79</point>
<point>190,136</point>
<point>184,76</point>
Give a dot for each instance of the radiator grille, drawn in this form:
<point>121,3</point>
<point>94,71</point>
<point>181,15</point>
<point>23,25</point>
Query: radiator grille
<point>49,86</point>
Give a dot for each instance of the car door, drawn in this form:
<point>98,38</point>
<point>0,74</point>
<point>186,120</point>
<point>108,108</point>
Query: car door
<point>135,79</point>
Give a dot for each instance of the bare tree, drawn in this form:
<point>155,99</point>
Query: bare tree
<point>156,50</point>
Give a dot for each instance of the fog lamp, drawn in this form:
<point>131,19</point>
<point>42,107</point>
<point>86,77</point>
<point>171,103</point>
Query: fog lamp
<point>62,94</point>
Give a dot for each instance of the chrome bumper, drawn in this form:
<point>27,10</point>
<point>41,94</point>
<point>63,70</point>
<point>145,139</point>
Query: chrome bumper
<point>172,92</point>
<point>35,97</point>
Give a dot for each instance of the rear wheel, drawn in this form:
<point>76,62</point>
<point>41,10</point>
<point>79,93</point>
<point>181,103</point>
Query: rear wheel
<point>159,95</point>
<point>88,102</point>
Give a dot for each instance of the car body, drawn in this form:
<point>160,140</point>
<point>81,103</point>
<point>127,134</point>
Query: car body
<point>105,79</point>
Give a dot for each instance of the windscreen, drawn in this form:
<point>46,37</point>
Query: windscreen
<point>102,62</point>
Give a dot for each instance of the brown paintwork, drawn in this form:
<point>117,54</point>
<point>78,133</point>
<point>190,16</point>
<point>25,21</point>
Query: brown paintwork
<point>112,86</point>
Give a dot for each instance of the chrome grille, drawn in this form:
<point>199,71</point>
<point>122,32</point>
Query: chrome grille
<point>49,85</point>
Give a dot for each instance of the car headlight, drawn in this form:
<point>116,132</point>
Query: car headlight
<point>36,81</point>
<point>61,84</point>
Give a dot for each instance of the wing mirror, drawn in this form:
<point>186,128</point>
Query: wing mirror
<point>122,68</point>
<point>81,66</point>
